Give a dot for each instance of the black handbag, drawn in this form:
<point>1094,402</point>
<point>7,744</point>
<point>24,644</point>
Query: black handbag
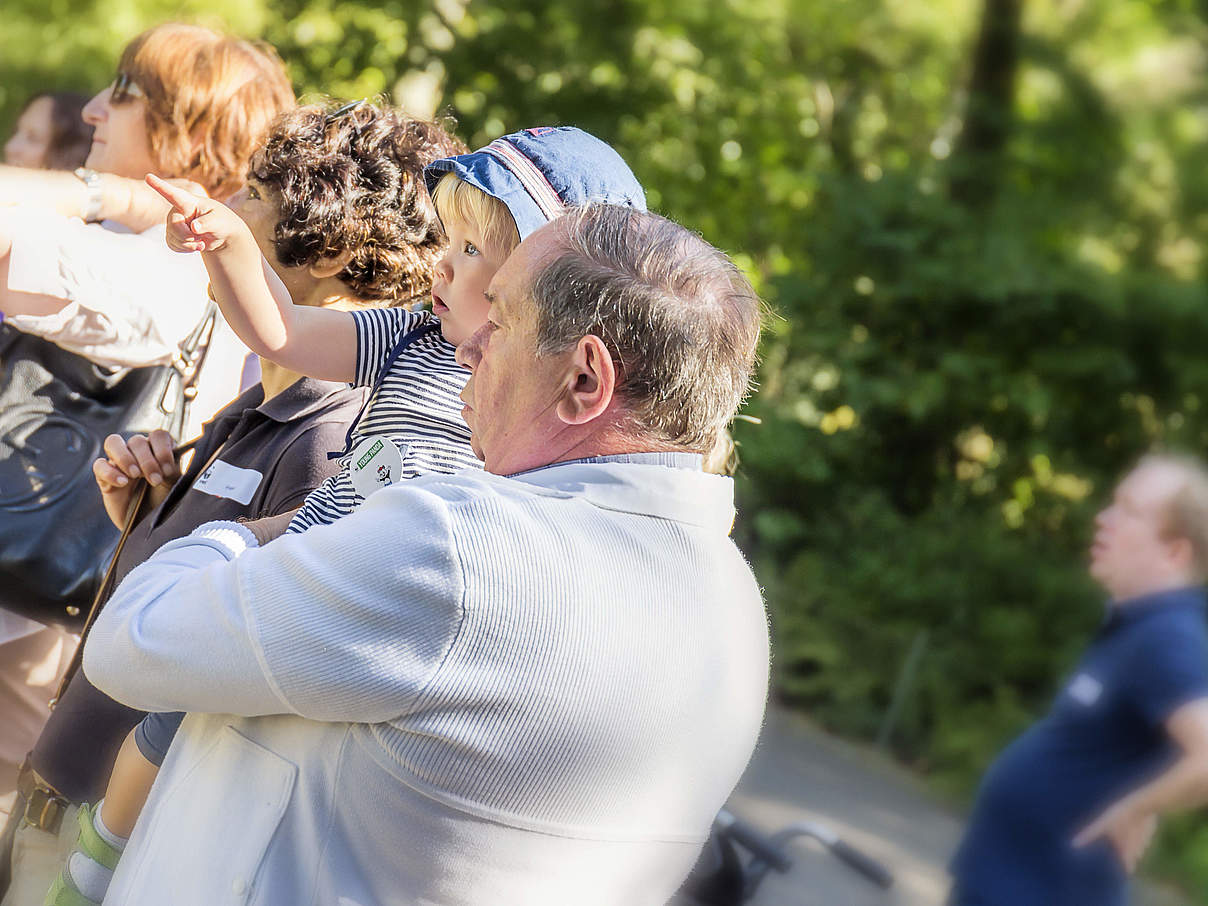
<point>56,409</point>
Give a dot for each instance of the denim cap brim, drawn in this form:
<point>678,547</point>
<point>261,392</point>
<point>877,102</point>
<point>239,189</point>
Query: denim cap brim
<point>561,166</point>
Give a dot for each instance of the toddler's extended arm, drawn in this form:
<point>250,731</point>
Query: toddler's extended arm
<point>313,341</point>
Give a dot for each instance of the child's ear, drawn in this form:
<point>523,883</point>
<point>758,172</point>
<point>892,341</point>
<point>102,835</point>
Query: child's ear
<point>329,267</point>
<point>591,381</point>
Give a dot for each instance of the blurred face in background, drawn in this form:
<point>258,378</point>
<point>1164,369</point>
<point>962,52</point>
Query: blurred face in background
<point>120,143</point>
<point>1133,554</point>
<point>30,142</point>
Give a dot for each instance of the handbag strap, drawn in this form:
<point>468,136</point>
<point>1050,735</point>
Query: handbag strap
<point>195,346</point>
<point>191,356</point>
<point>98,599</point>
<point>187,361</point>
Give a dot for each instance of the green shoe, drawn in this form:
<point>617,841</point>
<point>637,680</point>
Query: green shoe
<point>63,892</point>
<point>91,843</point>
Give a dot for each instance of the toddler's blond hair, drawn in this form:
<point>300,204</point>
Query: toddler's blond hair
<point>467,204</point>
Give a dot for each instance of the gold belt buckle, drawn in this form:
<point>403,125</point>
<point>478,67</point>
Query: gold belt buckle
<point>44,807</point>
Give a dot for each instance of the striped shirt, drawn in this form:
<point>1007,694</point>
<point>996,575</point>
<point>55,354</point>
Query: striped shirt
<point>415,403</point>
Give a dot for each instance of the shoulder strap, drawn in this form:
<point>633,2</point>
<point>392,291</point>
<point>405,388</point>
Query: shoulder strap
<point>102,591</point>
<point>399,348</point>
<point>188,360</point>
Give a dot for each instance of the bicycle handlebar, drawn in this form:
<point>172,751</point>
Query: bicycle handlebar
<point>865,865</point>
<point>751,839</point>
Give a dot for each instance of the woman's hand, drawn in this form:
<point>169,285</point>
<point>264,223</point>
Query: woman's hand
<point>196,222</point>
<point>126,462</point>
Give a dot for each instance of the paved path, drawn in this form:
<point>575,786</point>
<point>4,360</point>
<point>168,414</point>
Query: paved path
<point>799,772</point>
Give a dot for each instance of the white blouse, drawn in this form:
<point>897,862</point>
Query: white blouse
<point>130,299</point>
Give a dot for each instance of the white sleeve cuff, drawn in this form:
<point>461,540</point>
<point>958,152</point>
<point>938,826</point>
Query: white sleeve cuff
<point>234,536</point>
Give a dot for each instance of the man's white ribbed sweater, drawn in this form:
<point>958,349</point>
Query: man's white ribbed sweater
<point>474,689</point>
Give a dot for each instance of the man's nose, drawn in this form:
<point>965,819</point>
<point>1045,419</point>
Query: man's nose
<point>470,352</point>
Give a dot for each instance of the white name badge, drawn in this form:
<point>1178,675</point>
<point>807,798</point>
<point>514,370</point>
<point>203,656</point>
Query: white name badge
<point>222,479</point>
<point>375,463</point>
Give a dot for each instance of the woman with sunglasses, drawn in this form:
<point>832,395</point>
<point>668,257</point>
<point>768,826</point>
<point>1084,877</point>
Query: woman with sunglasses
<point>82,257</point>
<point>83,263</point>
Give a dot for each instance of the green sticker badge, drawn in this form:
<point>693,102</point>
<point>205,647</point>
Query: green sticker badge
<point>375,463</point>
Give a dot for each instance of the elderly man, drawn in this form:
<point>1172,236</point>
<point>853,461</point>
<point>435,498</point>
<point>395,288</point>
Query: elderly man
<point>534,685</point>
<point>1066,811</point>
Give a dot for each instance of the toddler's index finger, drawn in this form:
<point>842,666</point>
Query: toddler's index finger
<point>182,200</point>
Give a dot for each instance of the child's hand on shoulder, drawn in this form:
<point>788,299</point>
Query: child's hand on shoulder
<point>196,222</point>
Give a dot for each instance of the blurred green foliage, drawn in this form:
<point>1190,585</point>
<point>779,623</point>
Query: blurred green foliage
<point>981,229</point>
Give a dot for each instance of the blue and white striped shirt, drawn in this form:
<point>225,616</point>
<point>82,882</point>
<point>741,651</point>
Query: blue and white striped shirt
<point>416,404</point>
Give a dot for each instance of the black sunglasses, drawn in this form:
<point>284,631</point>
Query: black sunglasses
<point>124,89</point>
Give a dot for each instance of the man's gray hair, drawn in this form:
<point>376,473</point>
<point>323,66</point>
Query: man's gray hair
<point>679,319</point>
<point>1187,510</point>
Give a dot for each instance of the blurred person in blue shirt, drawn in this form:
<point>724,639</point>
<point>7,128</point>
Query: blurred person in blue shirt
<point>1065,812</point>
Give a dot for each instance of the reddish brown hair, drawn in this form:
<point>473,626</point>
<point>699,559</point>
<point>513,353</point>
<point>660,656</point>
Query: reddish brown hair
<point>210,99</point>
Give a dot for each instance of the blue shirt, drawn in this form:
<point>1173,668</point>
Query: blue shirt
<point>1103,737</point>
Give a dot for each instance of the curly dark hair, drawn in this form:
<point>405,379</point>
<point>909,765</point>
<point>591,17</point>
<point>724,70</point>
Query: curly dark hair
<point>351,181</point>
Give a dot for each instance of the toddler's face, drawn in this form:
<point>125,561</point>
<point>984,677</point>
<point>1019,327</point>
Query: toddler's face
<point>462,276</point>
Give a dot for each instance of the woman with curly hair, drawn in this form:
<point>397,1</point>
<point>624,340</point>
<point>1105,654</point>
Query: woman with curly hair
<point>337,205</point>
<point>339,185</point>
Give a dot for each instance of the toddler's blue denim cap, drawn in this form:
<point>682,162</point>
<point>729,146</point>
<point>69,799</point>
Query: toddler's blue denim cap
<point>537,172</point>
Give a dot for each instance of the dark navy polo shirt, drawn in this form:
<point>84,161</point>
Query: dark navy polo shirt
<point>1103,737</point>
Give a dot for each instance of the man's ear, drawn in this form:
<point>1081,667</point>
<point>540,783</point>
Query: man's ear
<point>1182,554</point>
<point>591,382</point>
<point>329,267</point>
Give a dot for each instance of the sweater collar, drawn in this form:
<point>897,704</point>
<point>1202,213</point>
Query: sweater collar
<point>645,488</point>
